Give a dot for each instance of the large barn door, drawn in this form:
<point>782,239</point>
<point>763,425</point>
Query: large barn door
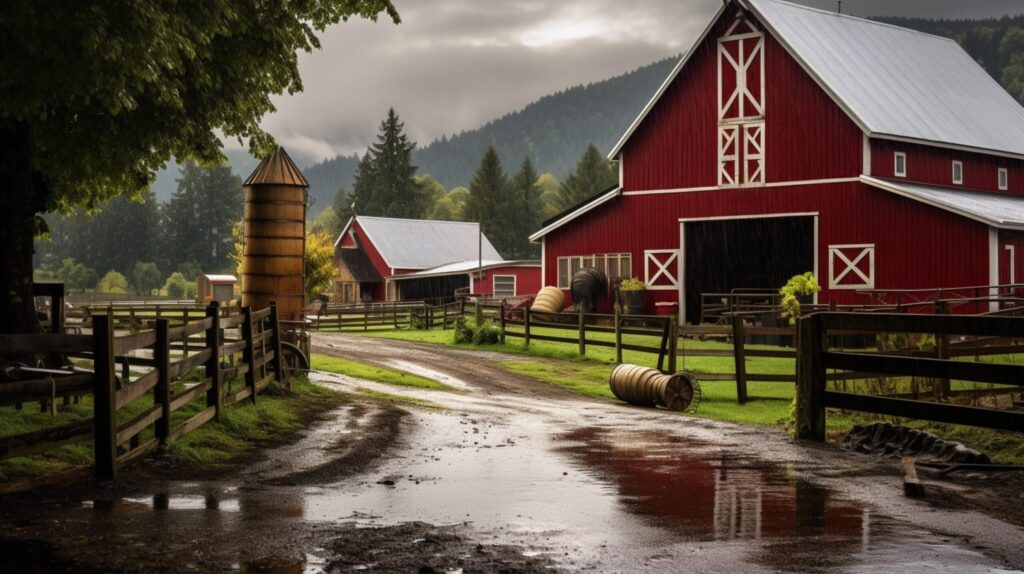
<point>741,106</point>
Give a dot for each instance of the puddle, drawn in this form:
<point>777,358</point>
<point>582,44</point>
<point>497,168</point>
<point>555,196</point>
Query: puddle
<point>309,564</point>
<point>431,374</point>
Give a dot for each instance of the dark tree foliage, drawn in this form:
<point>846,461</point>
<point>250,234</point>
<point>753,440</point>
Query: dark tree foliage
<point>593,175</point>
<point>489,202</point>
<point>525,213</point>
<point>385,182</point>
<point>199,218</point>
<point>97,95</point>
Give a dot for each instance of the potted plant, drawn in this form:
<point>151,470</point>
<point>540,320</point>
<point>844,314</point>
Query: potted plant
<point>633,296</point>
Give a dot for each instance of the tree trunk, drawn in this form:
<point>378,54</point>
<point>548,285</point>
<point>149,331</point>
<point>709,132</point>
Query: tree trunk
<point>20,199</point>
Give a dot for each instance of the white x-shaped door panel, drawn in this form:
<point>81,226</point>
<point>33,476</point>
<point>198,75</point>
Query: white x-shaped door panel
<point>851,266</point>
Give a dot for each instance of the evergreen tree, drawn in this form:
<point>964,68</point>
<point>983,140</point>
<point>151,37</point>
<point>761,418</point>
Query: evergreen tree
<point>526,209</point>
<point>488,202</point>
<point>342,204</point>
<point>200,215</point>
<point>593,175</point>
<point>385,180</point>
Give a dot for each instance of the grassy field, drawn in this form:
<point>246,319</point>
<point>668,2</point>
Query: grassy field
<point>770,405</point>
<point>373,373</point>
<point>243,428</point>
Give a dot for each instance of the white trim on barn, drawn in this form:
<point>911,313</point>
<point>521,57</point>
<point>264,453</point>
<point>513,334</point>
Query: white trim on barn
<point>543,262</point>
<point>662,269</point>
<point>601,200</point>
<point>770,184</point>
<point>837,255</point>
<point>494,285</point>
<point>1012,275</point>
<point>993,267</point>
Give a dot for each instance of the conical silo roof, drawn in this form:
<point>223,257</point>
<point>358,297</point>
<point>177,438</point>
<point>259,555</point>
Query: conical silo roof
<point>277,169</point>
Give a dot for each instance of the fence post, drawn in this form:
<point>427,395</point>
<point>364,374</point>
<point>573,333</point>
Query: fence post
<point>618,335</point>
<point>462,307</point>
<point>479,312</point>
<point>942,350</point>
<point>249,352</point>
<point>501,314</point>
<point>673,342</point>
<point>214,395</point>
<point>582,323</point>
<point>739,343</point>
<point>275,343</point>
<point>810,379</point>
<point>104,409</point>
<point>526,327</point>
<point>162,392</point>
<point>444,317</point>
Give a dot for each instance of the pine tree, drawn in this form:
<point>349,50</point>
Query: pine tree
<point>200,215</point>
<point>525,212</point>
<point>489,201</point>
<point>593,175</point>
<point>385,183</point>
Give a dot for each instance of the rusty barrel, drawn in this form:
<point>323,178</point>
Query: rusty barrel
<point>646,387</point>
<point>274,233</point>
<point>549,300</point>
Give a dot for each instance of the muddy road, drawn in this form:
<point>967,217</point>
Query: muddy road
<point>505,473</point>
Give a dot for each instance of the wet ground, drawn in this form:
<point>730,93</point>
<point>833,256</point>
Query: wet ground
<point>508,474</point>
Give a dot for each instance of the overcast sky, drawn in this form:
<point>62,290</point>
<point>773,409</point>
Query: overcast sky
<point>453,65</point>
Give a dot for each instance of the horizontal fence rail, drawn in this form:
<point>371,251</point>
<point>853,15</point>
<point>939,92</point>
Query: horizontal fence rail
<point>168,382</point>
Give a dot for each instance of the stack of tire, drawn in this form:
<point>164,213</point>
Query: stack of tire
<point>588,286</point>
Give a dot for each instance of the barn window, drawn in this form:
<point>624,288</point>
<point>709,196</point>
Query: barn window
<point>851,266</point>
<point>958,172</point>
<point>1004,179</point>
<point>661,269</point>
<point>900,169</point>
<point>614,265</point>
<point>741,106</point>
<point>504,286</point>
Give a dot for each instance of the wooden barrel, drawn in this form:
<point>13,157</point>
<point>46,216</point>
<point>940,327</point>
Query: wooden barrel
<point>646,387</point>
<point>549,300</point>
<point>274,232</point>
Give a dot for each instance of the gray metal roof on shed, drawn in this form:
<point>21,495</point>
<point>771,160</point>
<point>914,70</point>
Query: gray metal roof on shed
<point>997,210</point>
<point>421,244</point>
<point>894,82</point>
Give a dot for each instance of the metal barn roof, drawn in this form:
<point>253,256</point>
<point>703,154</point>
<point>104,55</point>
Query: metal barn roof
<point>1001,211</point>
<point>421,244</point>
<point>894,82</point>
<point>460,267</point>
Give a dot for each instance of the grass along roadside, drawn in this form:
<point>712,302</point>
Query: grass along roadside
<point>243,428</point>
<point>369,372</point>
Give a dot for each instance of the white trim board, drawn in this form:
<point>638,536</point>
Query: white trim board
<point>894,187</point>
<point>494,287</point>
<point>993,267</point>
<point>771,184</point>
<point>754,216</point>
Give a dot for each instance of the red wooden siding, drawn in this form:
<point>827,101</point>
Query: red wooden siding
<point>916,246</point>
<point>926,164</point>
<point>527,280</point>
<point>807,136</point>
<point>379,291</point>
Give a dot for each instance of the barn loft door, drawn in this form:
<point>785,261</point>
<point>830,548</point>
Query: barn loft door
<point>741,106</point>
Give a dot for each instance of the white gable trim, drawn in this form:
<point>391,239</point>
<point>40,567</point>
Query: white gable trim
<point>601,200</point>
<point>344,230</point>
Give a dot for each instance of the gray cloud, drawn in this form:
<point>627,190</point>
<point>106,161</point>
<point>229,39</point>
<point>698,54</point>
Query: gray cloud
<point>455,64</point>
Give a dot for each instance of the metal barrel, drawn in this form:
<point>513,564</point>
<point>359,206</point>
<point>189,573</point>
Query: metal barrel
<point>274,234</point>
<point>646,387</point>
<point>550,300</point>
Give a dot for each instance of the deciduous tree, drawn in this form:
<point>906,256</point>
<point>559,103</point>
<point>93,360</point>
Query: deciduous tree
<point>97,95</point>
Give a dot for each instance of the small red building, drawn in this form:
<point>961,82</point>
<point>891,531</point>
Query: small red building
<point>384,258</point>
<point>790,139</point>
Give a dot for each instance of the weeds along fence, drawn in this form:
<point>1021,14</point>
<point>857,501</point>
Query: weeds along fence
<point>132,416</point>
<point>956,337</point>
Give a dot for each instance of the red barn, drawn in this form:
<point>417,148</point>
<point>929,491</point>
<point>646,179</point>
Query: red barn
<point>790,139</point>
<point>385,258</point>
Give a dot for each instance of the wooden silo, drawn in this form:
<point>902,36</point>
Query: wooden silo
<point>274,231</point>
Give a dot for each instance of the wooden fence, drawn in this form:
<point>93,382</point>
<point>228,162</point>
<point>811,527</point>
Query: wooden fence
<point>395,315</point>
<point>131,316</point>
<point>255,356</point>
<point>986,335</point>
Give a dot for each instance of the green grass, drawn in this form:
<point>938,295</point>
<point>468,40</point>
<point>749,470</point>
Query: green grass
<point>243,427</point>
<point>374,373</point>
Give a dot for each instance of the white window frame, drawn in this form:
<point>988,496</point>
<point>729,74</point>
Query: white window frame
<point>597,260</point>
<point>958,173</point>
<point>494,286</point>
<point>851,266</point>
<point>663,269</point>
<point>1003,178</point>
<point>897,156</point>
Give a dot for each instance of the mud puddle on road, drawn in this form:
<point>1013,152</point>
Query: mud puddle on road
<point>616,499</point>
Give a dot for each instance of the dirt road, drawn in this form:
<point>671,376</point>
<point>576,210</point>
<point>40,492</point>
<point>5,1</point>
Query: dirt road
<point>507,473</point>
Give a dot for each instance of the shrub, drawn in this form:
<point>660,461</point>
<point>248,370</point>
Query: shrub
<point>486,334</point>
<point>633,284</point>
<point>112,282</point>
<point>145,277</point>
<point>797,286</point>
<point>463,332</point>
<point>176,287</point>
